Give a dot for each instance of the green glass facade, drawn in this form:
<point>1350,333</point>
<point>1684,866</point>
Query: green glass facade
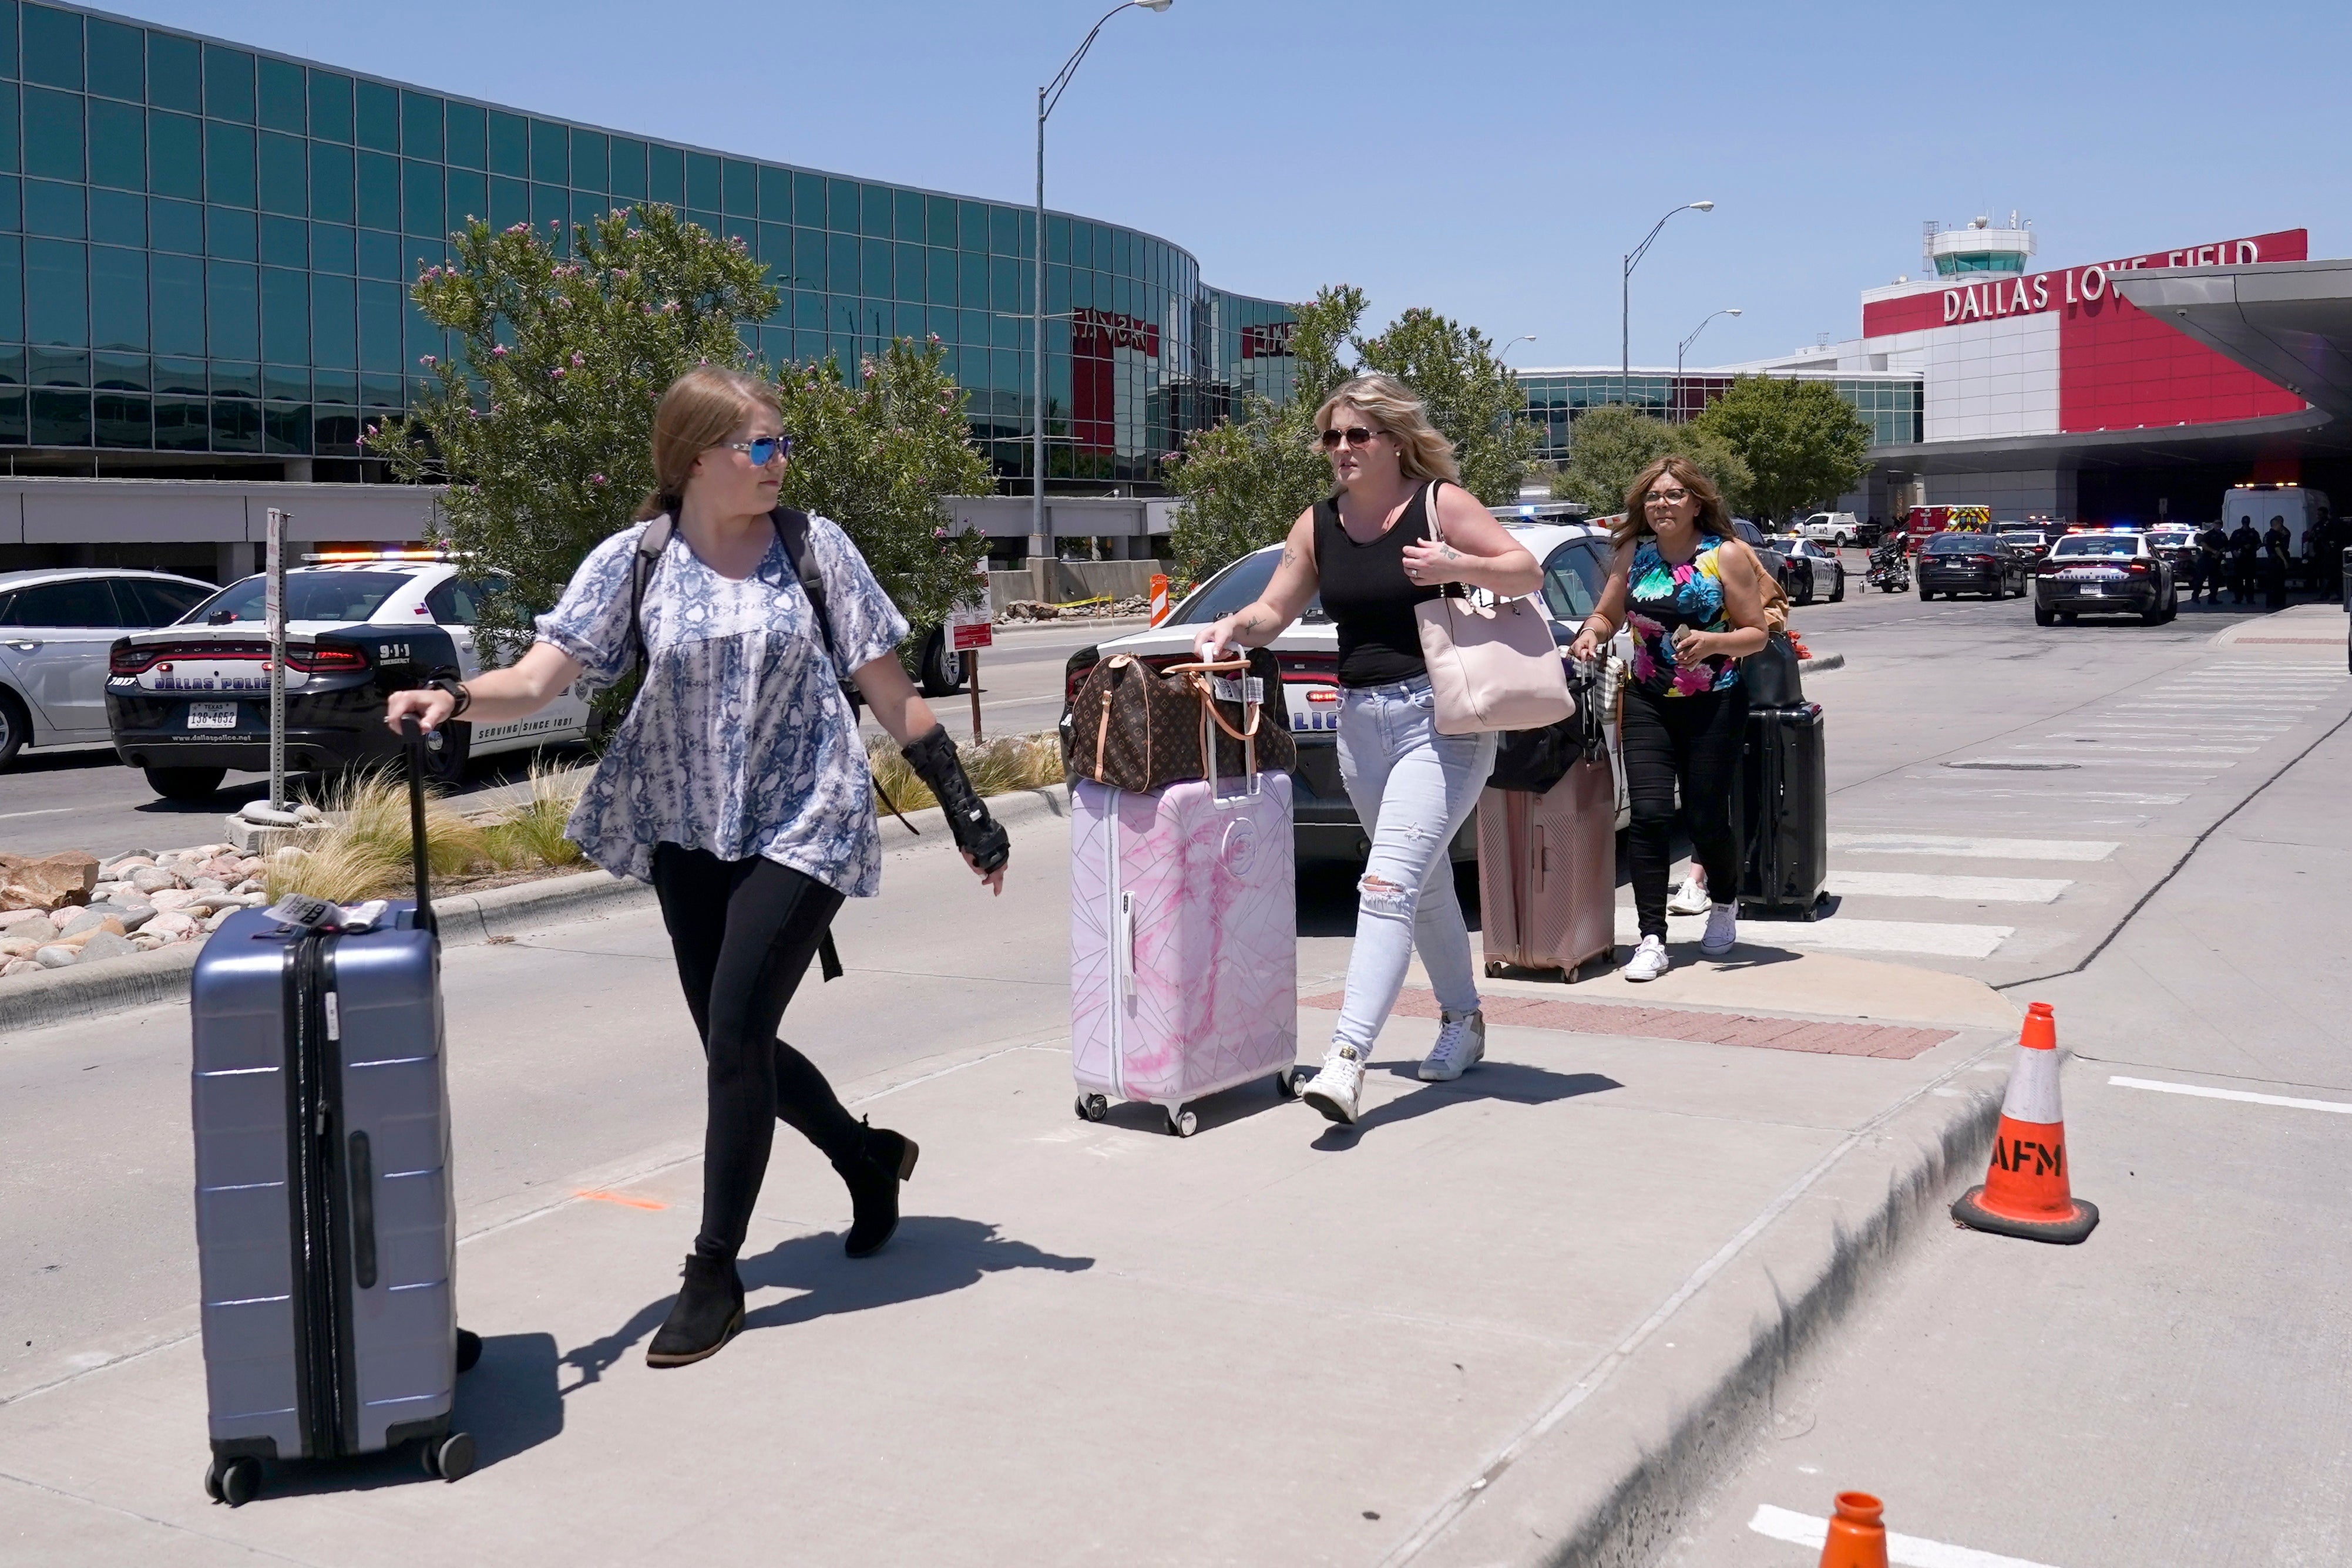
<point>1891,405</point>
<point>204,249</point>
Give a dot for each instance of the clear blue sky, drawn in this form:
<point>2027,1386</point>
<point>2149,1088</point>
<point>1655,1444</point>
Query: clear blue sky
<point>1491,159</point>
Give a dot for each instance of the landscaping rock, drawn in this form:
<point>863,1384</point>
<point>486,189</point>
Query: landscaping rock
<point>86,919</point>
<point>16,967</point>
<point>172,925</point>
<point>10,920</point>
<point>56,958</point>
<point>15,947</point>
<point>47,882</point>
<point>132,915</point>
<point>153,879</point>
<point>219,918</point>
<point>106,945</point>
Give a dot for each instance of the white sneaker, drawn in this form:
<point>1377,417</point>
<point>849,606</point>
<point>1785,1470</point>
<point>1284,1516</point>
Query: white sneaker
<point>1335,1090</point>
<point>1461,1041</point>
<point>1648,962</point>
<point>1690,898</point>
<point>1722,930</point>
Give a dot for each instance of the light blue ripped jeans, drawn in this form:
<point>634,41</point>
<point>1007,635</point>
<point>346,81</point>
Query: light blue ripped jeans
<point>1413,789</point>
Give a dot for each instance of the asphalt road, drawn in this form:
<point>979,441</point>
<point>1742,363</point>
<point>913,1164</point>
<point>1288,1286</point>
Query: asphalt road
<point>85,798</point>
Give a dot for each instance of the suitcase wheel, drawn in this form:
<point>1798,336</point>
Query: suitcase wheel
<point>1092,1107</point>
<point>1183,1124</point>
<point>1288,1082</point>
<point>469,1350</point>
<point>1495,967</point>
<point>234,1481</point>
<point>451,1458</point>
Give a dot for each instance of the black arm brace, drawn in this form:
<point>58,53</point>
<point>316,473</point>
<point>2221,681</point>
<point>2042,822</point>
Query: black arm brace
<point>978,835</point>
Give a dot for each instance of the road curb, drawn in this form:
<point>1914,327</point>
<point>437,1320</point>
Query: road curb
<point>1677,1404</point>
<point>78,995</point>
<point>1819,662</point>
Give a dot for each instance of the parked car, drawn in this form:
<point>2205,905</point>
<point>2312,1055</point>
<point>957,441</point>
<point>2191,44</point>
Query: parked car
<point>2105,573</point>
<point>1324,826</point>
<point>188,702</point>
<point>1970,562</point>
<point>56,627</point>
<point>1834,528</point>
<point>2030,544</point>
<point>1817,570</point>
<point>1773,556</point>
<point>2175,542</point>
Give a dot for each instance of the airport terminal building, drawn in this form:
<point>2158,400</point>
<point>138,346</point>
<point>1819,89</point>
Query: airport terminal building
<point>205,251</point>
<point>2118,390</point>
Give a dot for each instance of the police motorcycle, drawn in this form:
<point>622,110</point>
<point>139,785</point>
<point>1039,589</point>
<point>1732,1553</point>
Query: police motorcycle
<point>1890,567</point>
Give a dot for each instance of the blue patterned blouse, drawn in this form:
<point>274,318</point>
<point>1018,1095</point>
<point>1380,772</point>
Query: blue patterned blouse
<point>740,742</point>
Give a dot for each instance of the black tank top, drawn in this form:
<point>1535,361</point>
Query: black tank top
<point>1369,596</point>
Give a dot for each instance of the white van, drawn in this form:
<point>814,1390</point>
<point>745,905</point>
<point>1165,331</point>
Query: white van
<point>1838,528</point>
<point>2258,504</point>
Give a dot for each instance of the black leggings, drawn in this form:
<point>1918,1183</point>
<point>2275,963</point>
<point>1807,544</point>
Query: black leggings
<point>744,932</point>
<point>1692,742</point>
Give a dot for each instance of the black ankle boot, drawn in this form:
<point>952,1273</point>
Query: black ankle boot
<point>882,1160</point>
<point>707,1311</point>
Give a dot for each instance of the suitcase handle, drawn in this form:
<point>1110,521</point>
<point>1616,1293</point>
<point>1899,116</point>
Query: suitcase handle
<point>414,735</point>
<point>360,1164</point>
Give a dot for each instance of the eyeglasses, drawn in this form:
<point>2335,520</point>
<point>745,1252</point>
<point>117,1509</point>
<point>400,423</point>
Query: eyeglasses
<point>1354,435</point>
<point>764,451</point>
<point>1673,497</point>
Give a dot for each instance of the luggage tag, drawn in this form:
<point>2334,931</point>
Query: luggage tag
<point>301,912</point>
<point>1249,689</point>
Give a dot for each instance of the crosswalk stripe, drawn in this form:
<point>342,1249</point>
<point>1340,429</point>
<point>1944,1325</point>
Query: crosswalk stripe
<point>2087,761</point>
<point>1961,889</point>
<point>1931,938</point>
<point>1969,848</point>
<point>2160,750</point>
<point>2052,796</point>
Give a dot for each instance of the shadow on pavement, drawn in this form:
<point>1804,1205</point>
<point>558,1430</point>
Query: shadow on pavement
<point>1515,1081</point>
<point>930,1256</point>
<point>508,1403</point>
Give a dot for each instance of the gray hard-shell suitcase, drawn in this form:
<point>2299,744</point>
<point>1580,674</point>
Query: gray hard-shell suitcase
<point>326,1234</point>
<point>1784,813</point>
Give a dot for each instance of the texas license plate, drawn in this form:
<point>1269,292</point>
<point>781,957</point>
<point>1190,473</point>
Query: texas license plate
<point>212,715</point>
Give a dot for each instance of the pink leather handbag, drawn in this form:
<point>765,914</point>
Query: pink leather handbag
<point>1492,665</point>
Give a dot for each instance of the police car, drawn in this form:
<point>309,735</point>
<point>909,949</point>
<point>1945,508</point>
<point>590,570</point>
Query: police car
<point>1324,825</point>
<point>2105,571</point>
<point>190,701</point>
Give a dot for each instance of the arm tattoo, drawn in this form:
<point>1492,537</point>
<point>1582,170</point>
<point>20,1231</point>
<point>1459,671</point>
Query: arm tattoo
<point>1290,555</point>
<point>1245,622</point>
<point>1451,553</point>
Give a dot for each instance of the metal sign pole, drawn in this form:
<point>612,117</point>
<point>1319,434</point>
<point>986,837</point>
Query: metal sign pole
<point>971,665</point>
<point>274,609</point>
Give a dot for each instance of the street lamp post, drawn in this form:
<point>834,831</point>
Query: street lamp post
<point>1683,347</point>
<point>1625,296</point>
<point>1040,545</point>
<point>1504,352</point>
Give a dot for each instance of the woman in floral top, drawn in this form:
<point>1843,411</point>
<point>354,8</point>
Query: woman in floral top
<point>738,786</point>
<point>1693,596</point>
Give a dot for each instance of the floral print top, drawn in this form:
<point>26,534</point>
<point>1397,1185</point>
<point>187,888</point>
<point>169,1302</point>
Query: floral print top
<point>740,742</point>
<point>1660,600</point>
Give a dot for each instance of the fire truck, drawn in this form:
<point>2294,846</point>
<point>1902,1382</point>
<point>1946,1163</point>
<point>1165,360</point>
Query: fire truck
<point>1922,523</point>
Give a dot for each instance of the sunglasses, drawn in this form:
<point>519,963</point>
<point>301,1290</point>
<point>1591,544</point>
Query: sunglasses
<point>762,451</point>
<point>1673,497</point>
<point>1354,435</point>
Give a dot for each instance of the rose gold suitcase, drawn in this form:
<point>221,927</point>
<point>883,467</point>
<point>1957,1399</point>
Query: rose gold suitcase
<point>1547,875</point>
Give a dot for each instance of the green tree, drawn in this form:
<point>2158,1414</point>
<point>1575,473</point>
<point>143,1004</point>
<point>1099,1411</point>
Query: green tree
<point>1471,397</point>
<point>1244,481</point>
<point>1609,446</point>
<point>542,425</point>
<point>1803,444</point>
<point>879,459</point>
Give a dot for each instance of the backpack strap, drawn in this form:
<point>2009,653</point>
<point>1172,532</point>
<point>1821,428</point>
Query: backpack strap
<point>648,554</point>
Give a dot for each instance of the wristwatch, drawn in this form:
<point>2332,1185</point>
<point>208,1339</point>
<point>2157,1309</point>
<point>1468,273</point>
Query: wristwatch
<point>457,694</point>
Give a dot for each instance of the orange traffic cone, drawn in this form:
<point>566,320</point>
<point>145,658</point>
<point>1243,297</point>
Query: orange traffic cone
<point>1856,1538</point>
<point>2025,1192</point>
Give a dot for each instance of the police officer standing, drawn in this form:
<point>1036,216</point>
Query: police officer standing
<point>2245,545</point>
<point>2213,554</point>
<point>2277,543</point>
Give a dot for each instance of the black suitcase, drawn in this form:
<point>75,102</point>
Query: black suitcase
<point>326,1234</point>
<point>1784,812</point>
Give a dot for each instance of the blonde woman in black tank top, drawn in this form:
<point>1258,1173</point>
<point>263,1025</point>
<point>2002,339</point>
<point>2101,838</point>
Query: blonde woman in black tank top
<point>1367,550</point>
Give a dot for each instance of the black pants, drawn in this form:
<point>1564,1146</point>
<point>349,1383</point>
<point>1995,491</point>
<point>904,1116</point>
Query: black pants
<point>1691,743</point>
<point>744,932</point>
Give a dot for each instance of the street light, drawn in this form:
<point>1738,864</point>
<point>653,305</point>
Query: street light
<point>1040,545</point>
<point>1683,346</point>
<point>1625,296</point>
<point>1506,353</point>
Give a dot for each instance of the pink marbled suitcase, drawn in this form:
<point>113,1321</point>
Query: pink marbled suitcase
<point>1183,942</point>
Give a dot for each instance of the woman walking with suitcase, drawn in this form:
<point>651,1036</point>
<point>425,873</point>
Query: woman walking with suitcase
<point>1693,595</point>
<point>1367,550</point>
<point>738,786</point>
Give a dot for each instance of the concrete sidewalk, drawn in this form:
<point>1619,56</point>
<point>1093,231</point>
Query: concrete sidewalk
<point>1506,1319</point>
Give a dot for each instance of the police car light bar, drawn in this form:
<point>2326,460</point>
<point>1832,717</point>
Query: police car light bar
<point>330,556</point>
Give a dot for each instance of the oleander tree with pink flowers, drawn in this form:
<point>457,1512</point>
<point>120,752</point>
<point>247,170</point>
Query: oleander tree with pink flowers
<point>540,423</point>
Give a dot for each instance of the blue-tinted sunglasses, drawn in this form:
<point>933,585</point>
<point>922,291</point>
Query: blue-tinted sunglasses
<point>762,451</point>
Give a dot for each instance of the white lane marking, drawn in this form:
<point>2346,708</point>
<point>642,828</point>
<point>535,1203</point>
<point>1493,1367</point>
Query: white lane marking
<point>1973,848</point>
<point>2054,797</point>
<point>2340,1107</point>
<point>1902,1550</point>
<point>2089,761</point>
<point>1965,889</point>
<point>47,812</point>
<point>1934,938</point>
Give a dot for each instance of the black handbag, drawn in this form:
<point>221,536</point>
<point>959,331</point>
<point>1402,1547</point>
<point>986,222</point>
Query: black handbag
<point>1775,676</point>
<point>1533,760</point>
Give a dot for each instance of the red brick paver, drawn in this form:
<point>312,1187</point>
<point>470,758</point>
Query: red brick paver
<point>1895,1043</point>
